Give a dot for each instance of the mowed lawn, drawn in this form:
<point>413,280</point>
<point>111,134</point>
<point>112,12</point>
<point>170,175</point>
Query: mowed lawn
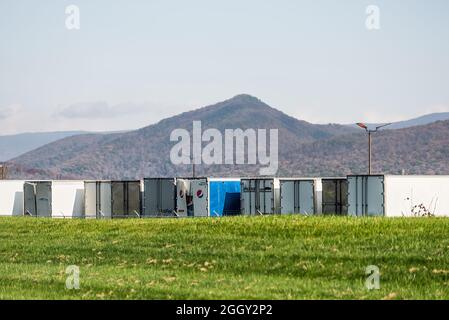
<point>271,257</point>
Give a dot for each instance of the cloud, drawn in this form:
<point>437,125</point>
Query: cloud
<point>100,110</point>
<point>9,111</point>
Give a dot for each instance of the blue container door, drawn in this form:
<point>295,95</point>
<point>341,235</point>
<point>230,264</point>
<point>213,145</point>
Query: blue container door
<point>224,198</point>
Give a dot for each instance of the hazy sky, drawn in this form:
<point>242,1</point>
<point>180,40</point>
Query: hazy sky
<point>133,63</point>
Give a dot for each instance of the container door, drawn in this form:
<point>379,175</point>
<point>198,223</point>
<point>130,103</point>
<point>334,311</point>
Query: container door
<point>29,197</point>
<point>342,197</point>
<point>43,199</point>
<point>352,196</point>
<point>104,198</point>
<point>287,196</point>
<point>248,197</point>
<point>217,194</point>
<point>335,196</point>
<point>231,201</point>
<point>167,196</point>
<point>374,195</point>
<point>150,197</point>
<point>306,197</point>
<point>90,199</point>
<point>118,199</point>
<point>133,198</point>
<point>330,197</point>
<point>200,197</point>
<point>266,196</point>
<point>183,196</point>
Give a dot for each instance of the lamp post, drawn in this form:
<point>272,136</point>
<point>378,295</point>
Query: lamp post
<point>370,131</point>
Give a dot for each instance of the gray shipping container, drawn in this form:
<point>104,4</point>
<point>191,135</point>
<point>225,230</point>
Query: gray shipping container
<point>259,196</point>
<point>159,197</point>
<point>299,195</point>
<point>37,197</point>
<point>112,199</point>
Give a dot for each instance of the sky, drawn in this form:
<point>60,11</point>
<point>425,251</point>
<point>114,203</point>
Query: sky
<point>133,63</point>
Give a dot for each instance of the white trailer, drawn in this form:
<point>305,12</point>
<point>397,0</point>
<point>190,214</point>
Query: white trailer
<point>57,199</point>
<point>112,199</point>
<point>395,195</point>
<point>259,196</point>
<point>11,197</point>
<point>300,195</point>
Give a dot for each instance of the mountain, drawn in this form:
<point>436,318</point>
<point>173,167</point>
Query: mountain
<point>305,149</point>
<point>145,152</point>
<point>12,146</point>
<point>419,121</point>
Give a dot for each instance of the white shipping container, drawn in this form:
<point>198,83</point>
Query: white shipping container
<point>395,196</point>
<point>58,198</point>
<point>300,196</point>
<point>11,197</point>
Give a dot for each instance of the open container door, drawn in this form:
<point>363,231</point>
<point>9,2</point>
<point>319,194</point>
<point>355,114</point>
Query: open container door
<point>297,196</point>
<point>43,199</point>
<point>335,196</point>
<point>118,199</point>
<point>199,188</point>
<point>183,194</point>
<point>91,197</point>
<point>29,199</point>
<point>224,197</point>
<point>104,198</point>
<point>248,196</point>
<point>133,199</point>
<point>366,195</point>
<point>306,197</point>
<point>266,196</point>
<point>159,197</point>
<point>375,195</point>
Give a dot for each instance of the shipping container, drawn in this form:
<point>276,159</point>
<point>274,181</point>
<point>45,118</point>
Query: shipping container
<point>300,196</point>
<point>334,196</point>
<point>159,197</point>
<point>208,197</point>
<point>11,197</point>
<point>224,197</point>
<point>58,199</point>
<point>112,199</point>
<point>259,196</point>
<point>395,195</point>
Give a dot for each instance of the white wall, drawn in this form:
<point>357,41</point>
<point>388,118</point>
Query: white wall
<point>404,192</point>
<point>11,197</point>
<point>67,199</point>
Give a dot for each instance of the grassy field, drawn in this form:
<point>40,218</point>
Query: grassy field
<point>234,258</point>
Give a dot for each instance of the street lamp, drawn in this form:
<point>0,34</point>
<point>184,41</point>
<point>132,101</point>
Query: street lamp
<point>369,131</point>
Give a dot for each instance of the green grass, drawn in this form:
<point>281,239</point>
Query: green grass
<point>229,258</point>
